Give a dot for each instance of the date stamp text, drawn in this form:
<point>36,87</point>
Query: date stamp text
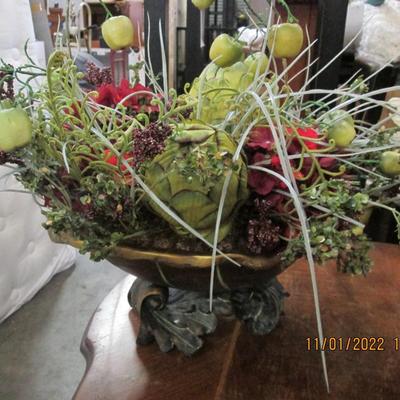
<point>353,344</point>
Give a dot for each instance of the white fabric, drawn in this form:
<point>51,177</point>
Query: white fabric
<point>354,24</point>
<point>380,41</point>
<point>253,37</point>
<point>28,259</point>
<point>16,25</point>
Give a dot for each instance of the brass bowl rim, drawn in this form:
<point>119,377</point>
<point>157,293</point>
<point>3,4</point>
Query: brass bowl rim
<point>178,260</point>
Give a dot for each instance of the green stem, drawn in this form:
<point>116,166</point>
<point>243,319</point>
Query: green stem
<point>178,110</point>
<point>250,8</point>
<point>108,12</point>
<point>291,17</point>
<point>142,233</point>
<point>67,27</point>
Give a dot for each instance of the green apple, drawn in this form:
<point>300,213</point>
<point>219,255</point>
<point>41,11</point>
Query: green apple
<point>118,32</point>
<point>339,115</point>
<point>285,40</point>
<point>357,230</point>
<point>255,59</point>
<point>225,50</point>
<point>340,127</point>
<point>202,4</point>
<point>15,129</point>
<point>390,163</point>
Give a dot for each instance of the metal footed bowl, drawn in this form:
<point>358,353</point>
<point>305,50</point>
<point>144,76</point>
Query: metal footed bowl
<point>172,299</point>
<point>189,272</point>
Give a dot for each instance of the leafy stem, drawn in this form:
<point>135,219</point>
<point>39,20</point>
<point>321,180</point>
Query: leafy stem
<point>106,9</point>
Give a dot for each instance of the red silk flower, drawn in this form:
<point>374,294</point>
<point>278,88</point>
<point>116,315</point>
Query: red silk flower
<point>306,133</point>
<point>261,138</point>
<point>110,95</point>
<point>112,159</point>
<point>260,181</point>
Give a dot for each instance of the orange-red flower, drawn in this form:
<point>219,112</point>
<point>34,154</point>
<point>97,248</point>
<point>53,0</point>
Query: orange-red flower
<point>112,159</point>
<point>262,141</point>
<point>306,133</point>
<point>110,95</point>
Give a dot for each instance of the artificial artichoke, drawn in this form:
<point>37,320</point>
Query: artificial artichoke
<point>220,86</point>
<point>188,177</point>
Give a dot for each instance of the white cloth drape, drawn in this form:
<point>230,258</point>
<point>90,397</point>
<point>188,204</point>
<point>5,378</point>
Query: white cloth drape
<point>28,259</point>
<point>16,24</point>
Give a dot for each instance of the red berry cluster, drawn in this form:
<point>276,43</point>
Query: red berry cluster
<point>149,141</point>
<point>98,76</point>
<point>7,158</point>
<point>262,232</point>
<point>262,235</point>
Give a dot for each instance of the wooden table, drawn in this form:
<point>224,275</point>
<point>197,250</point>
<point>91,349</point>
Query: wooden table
<point>235,365</point>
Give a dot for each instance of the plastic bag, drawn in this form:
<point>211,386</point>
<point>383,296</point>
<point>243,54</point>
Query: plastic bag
<point>381,32</point>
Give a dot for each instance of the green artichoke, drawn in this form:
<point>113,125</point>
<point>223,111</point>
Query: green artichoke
<point>188,177</point>
<point>222,85</point>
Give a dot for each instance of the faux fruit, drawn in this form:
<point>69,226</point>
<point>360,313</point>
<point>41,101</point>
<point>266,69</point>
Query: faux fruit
<point>357,231</point>
<point>255,59</point>
<point>207,75</point>
<point>340,127</point>
<point>235,77</point>
<point>225,50</point>
<point>188,176</point>
<point>118,32</point>
<point>15,129</point>
<point>202,4</point>
<point>390,163</point>
<point>285,40</point>
<point>220,86</point>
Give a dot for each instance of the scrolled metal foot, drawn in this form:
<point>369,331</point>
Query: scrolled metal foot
<point>175,319</point>
<point>179,318</point>
<point>260,308</point>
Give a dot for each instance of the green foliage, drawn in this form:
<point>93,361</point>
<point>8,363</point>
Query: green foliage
<point>331,240</point>
<point>339,196</point>
<point>83,160</point>
<point>331,236</point>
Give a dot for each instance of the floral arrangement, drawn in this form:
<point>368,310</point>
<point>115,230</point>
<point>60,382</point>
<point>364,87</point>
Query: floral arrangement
<point>239,162</point>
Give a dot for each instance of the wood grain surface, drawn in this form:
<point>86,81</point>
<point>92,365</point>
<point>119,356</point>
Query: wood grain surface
<point>236,365</point>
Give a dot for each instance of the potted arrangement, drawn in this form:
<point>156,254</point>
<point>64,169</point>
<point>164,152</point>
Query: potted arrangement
<point>206,196</point>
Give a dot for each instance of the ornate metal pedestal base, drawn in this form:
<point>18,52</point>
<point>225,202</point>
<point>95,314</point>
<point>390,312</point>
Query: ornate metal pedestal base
<point>178,318</point>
